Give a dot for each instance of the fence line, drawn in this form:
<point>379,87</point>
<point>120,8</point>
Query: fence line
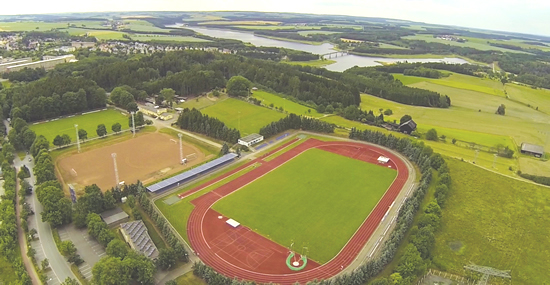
<point>459,279</point>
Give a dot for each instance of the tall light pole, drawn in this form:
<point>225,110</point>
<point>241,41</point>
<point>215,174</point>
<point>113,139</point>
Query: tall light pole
<point>239,120</point>
<point>181,149</point>
<point>77,138</point>
<point>116,169</point>
<point>495,161</point>
<point>133,124</point>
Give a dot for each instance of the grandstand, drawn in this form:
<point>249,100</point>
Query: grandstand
<point>135,234</point>
<point>191,174</point>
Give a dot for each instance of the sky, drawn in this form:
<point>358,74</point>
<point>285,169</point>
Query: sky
<point>524,16</point>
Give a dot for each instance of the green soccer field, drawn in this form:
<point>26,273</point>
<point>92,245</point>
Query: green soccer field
<point>251,117</point>
<point>87,122</point>
<point>318,199</point>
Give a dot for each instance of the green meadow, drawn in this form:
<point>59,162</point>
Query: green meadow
<point>288,105</point>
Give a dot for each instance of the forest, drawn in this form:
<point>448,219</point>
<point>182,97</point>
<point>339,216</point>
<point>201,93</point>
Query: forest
<point>193,120</point>
<point>296,122</point>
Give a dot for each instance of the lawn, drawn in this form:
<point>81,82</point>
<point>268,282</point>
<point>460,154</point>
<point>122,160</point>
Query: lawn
<point>507,224</point>
<point>87,122</point>
<point>536,98</point>
<point>7,273</point>
<point>189,279</point>
<point>166,38</point>
<point>313,200</point>
<point>201,102</point>
<point>288,105</point>
<point>241,115</point>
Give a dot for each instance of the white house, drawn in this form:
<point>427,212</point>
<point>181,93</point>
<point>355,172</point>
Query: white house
<point>251,140</point>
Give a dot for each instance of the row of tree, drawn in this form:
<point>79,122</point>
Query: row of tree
<point>400,67</point>
<point>123,267</point>
<point>9,247</point>
<point>295,122</point>
<point>544,180</point>
<point>20,136</point>
<point>193,120</point>
<point>25,75</point>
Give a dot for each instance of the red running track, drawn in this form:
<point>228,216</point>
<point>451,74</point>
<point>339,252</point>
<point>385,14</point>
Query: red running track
<point>201,240</point>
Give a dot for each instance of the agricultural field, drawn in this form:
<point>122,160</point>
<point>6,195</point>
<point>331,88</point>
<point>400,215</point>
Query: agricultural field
<point>288,105</point>
<point>243,116</point>
<point>535,98</point>
<point>296,197</point>
<point>99,34</point>
<point>166,38</point>
<point>236,23</point>
<point>142,26</point>
<point>507,220</point>
<point>534,166</point>
<point>314,32</point>
<point>87,122</point>
<point>479,44</point>
<point>45,26</point>
<point>384,45</point>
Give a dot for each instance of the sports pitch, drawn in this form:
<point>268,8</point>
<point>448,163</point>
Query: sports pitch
<point>87,122</point>
<point>146,158</point>
<point>318,199</point>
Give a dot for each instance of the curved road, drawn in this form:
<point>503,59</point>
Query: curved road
<point>345,258</point>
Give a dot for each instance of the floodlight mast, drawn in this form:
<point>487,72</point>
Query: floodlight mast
<point>181,149</point>
<point>133,124</point>
<point>77,138</point>
<point>116,169</point>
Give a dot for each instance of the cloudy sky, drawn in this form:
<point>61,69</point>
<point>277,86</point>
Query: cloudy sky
<point>527,16</point>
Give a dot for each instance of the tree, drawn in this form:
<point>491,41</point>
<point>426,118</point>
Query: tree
<point>66,139</point>
<point>18,124</point>
<point>388,112</point>
<point>431,135</point>
<point>117,248</point>
<point>225,149</point>
<point>32,233</point>
<point>70,281</point>
<point>110,271</point>
<point>101,130</point>
<point>238,86</point>
<point>169,95</point>
<point>82,134</point>
<point>166,258</point>
<point>40,143</point>
<point>58,141</point>
<point>329,109</point>
<point>501,110</point>
<point>67,248</point>
<point>45,263</point>
<point>24,173</point>
<point>171,282</point>
<point>28,136</point>
<point>116,127</point>
<point>138,118</point>
<point>404,119</point>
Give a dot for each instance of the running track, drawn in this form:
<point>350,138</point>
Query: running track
<point>200,242</point>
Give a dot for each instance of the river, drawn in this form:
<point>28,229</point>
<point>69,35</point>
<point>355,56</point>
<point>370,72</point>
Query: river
<point>342,62</point>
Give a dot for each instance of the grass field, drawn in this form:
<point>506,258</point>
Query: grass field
<point>314,63</point>
<point>142,26</point>
<point>536,98</point>
<point>241,115</point>
<point>189,279</point>
<point>507,224</point>
<point>315,32</point>
<point>166,38</point>
<point>201,102</point>
<point>460,81</point>
<point>87,122</point>
<point>278,101</point>
<point>298,201</point>
<point>534,166</point>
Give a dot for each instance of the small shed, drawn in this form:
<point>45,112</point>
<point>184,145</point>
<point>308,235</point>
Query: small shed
<point>114,217</point>
<point>407,127</point>
<point>233,223</point>
<point>383,159</point>
<point>532,149</point>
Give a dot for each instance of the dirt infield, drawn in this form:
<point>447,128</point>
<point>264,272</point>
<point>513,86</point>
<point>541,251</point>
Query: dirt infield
<point>146,158</point>
<point>247,255</point>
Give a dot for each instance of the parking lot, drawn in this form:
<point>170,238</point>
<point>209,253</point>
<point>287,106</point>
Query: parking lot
<point>88,248</point>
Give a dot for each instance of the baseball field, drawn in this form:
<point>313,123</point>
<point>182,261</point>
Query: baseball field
<point>146,158</point>
<point>317,200</point>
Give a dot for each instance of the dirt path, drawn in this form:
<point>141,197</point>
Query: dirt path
<point>23,242</point>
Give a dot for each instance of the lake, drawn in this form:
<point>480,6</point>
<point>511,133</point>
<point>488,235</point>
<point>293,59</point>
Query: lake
<point>342,62</point>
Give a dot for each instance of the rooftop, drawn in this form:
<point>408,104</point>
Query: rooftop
<point>137,232</point>
<point>532,148</point>
<point>411,123</point>
<point>250,137</point>
<point>112,216</point>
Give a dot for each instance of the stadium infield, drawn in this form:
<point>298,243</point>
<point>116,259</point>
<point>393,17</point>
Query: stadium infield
<point>316,192</point>
<point>242,253</point>
<point>146,158</point>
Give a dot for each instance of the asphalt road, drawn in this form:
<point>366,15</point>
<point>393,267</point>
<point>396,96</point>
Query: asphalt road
<point>58,264</point>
